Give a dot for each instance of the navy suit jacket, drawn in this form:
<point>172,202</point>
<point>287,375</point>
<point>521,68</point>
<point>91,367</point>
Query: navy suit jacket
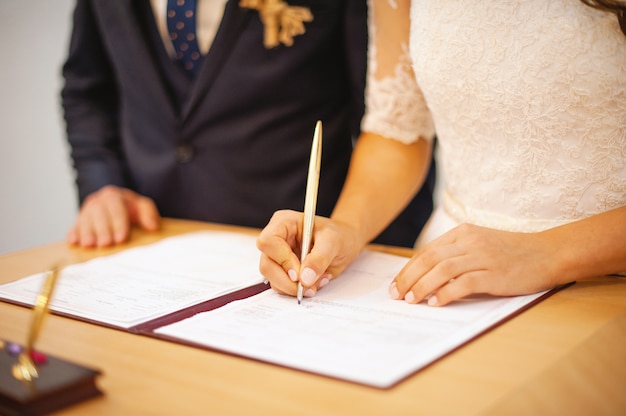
<point>231,146</point>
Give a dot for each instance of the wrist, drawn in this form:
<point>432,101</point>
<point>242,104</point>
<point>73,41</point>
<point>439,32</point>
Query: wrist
<point>566,255</point>
<point>356,233</point>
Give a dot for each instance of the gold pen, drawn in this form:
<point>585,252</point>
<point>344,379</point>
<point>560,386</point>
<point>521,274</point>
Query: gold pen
<point>310,198</point>
<point>25,369</point>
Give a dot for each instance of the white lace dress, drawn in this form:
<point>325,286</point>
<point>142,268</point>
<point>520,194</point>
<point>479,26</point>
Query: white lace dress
<point>527,98</point>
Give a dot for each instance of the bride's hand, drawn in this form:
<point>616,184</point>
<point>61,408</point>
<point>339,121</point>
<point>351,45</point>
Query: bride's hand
<point>471,259</point>
<point>334,247</point>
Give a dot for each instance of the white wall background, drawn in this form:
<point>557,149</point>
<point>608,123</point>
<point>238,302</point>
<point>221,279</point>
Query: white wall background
<point>37,195</point>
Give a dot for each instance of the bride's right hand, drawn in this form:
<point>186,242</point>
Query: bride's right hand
<point>333,248</point>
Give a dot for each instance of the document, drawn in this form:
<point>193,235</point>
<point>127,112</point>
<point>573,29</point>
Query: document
<point>350,330</point>
<point>204,289</point>
<point>143,283</point>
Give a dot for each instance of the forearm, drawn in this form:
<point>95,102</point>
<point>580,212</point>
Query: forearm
<point>591,247</point>
<point>384,175</point>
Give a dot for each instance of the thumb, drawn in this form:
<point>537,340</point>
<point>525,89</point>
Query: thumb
<point>320,262</point>
<point>147,214</point>
<point>142,211</point>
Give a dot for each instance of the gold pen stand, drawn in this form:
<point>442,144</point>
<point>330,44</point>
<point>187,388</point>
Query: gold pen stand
<point>32,383</point>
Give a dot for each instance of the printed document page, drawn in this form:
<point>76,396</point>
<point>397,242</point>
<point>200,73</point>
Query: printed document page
<point>350,330</point>
<point>143,283</point>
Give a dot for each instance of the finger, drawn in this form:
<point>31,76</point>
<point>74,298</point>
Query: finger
<point>147,214</point>
<point>279,241</point>
<point>316,265</point>
<point>84,227</point>
<point>320,283</point>
<point>311,291</point>
<point>277,276</point>
<point>334,248</point>
<point>449,268</point>
<point>92,224</point>
<point>72,236</point>
<point>101,223</point>
<point>86,234</point>
<point>424,272</point>
<point>324,280</point>
<point>141,210</point>
<point>117,215</point>
<point>418,265</point>
<point>456,289</point>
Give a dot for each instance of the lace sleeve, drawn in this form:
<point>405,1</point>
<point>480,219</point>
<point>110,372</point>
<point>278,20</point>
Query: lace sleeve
<point>395,106</point>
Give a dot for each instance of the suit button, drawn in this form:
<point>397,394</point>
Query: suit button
<point>184,153</point>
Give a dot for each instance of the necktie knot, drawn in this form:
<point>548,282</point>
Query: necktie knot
<point>181,25</point>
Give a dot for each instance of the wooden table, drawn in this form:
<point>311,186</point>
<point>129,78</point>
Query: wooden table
<point>565,356</point>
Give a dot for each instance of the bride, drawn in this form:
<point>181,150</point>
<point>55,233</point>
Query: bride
<point>528,102</point>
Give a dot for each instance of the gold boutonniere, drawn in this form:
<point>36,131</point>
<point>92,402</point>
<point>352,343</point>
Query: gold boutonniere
<point>281,21</point>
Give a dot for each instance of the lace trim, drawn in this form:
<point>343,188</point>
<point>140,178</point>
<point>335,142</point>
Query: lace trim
<point>395,106</point>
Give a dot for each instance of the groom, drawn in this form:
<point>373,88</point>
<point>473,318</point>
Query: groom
<point>228,144</point>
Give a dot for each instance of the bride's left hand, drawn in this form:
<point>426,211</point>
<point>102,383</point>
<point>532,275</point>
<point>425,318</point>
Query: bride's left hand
<point>471,259</point>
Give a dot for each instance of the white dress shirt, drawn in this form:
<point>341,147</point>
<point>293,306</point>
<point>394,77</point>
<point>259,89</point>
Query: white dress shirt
<point>209,14</point>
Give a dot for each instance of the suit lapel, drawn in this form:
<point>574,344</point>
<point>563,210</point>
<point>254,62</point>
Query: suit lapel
<point>124,27</point>
<point>230,28</point>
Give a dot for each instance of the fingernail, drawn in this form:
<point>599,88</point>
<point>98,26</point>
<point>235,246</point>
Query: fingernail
<point>308,276</point>
<point>432,301</point>
<point>324,281</point>
<point>293,275</point>
<point>409,297</point>
<point>309,293</point>
<point>104,242</point>
<point>393,291</point>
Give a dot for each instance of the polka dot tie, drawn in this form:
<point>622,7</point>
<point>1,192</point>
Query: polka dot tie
<point>181,25</point>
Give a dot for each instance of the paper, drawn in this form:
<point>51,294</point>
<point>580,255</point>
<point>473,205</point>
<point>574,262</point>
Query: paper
<point>142,283</point>
<point>350,330</point>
